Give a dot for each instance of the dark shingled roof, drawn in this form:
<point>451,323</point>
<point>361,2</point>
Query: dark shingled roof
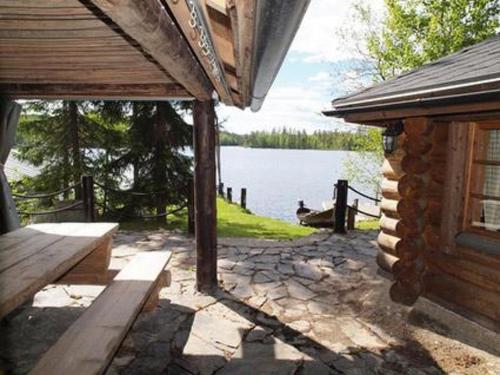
<point>475,69</point>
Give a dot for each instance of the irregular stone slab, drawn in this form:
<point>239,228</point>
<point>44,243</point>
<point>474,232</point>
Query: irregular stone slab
<point>277,293</point>
<point>254,358</point>
<point>260,277</point>
<point>285,269</point>
<point>191,301</point>
<point>300,325</point>
<point>200,357</point>
<point>319,308</point>
<point>265,266</point>
<point>53,296</point>
<point>297,290</point>
<point>257,301</point>
<point>273,275</point>
<point>226,264</point>
<point>258,334</point>
<point>360,335</point>
<point>242,291</point>
<point>222,333</point>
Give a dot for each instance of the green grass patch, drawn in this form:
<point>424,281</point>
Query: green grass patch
<point>368,224</point>
<point>232,221</point>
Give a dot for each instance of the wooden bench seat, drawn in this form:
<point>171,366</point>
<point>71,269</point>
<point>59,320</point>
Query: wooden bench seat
<point>37,255</point>
<point>88,346</point>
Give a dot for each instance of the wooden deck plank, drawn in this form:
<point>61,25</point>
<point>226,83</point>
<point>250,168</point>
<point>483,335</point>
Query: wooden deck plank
<point>88,346</point>
<point>29,275</point>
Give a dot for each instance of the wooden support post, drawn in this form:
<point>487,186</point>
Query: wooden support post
<point>88,198</point>
<point>351,215</point>
<point>190,207</point>
<point>341,206</point>
<point>205,194</point>
<point>243,198</point>
<point>230,195</point>
<point>221,189</point>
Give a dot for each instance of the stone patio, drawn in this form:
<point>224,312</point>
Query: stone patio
<point>311,306</point>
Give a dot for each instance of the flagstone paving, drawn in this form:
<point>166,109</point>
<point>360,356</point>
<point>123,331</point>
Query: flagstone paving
<point>311,306</point>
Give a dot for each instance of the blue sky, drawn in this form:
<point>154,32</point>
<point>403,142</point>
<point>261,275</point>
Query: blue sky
<point>309,78</point>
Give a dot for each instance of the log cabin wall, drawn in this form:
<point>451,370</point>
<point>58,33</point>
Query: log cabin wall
<point>417,197</point>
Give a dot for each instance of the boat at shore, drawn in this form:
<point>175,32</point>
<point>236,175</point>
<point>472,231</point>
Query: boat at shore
<point>314,218</point>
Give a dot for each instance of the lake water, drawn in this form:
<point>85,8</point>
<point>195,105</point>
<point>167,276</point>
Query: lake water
<point>277,179</point>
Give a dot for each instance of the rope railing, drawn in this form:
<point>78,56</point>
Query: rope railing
<point>47,195</point>
<point>39,213</point>
<point>146,217</point>
<point>363,212</point>
<point>127,192</point>
<point>363,195</point>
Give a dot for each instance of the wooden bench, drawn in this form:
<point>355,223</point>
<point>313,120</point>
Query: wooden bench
<point>40,254</point>
<point>88,346</point>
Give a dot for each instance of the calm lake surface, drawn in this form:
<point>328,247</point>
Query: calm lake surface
<point>277,179</point>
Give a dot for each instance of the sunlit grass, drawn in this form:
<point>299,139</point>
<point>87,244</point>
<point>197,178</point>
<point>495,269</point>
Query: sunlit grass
<point>232,221</point>
<point>372,224</point>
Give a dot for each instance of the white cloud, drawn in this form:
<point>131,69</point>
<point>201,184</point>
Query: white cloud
<point>320,77</point>
<point>292,106</point>
<point>298,104</point>
<point>318,37</point>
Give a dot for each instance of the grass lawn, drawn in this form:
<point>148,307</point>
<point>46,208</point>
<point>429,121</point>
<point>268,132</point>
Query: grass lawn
<point>372,224</point>
<point>232,221</point>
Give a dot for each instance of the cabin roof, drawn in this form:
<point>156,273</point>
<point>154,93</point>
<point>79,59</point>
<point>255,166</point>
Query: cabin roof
<point>148,49</point>
<point>472,73</point>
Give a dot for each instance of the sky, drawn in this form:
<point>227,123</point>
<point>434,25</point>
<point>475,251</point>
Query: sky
<point>306,83</point>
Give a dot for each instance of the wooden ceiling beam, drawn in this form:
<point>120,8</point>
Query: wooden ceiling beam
<point>148,23</point>
<point>181,13</point>
<point>148,91</point>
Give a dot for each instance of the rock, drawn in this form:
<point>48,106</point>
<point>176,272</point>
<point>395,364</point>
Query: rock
<point>222,333</point>
<point>226,264</point>
<point>260,277</point>
<point>308,271</point>
<point>201,357</point>
<point>301,326</point>
<point>285,269</point>
<point>314,367</point>
<point>277,293</point>
<point>258,334</point>
<point>257,301</point>
<point>252,358</point>
<point>359,335</point>
<point>52,297</point>
<point>299,291</point>
<point>354,265</point>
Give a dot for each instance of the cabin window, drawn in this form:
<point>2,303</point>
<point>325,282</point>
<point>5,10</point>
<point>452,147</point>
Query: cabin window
<point>484,184</point>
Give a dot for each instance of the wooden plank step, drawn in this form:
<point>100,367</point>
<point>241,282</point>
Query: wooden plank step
<point>88,346</point>
<point>28,275</point>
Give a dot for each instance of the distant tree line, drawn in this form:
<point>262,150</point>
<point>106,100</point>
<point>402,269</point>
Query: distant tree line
<point>295,139</point>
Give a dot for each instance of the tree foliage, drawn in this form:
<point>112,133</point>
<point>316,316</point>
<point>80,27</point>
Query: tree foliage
<point>295,139</point>
<point>416,32</point>
<point>124,145</point>
<point>410,34</point>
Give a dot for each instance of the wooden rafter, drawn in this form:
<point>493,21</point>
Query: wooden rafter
<point>84,91</point>
<point>148,23</point>
<point>181,13</point>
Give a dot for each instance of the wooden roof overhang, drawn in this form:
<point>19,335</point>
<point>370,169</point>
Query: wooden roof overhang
<point>129,49</point>
<point>465,83</point>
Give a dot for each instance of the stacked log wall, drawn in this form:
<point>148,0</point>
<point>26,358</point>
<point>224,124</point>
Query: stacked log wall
<point>409,195</point>
<point>410,243</point>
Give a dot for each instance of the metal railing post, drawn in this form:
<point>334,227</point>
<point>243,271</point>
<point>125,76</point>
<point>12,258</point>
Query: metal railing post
<point>229,195</point>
